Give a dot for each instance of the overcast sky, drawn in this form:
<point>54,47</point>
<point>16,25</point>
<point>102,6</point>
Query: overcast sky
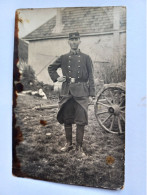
<point>32,19</point>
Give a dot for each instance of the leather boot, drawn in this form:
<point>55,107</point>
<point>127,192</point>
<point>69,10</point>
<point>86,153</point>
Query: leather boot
<point>79,139</point>
<point>68,133</point>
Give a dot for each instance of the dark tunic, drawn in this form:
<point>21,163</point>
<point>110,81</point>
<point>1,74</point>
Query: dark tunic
<point>80,67</point>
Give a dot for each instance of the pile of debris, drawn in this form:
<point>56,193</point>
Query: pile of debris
<point>34,87</point>
<point>38,93</point>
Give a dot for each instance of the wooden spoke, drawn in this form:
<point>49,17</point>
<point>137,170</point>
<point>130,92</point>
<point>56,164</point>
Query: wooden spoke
<point>118,98</point>
<point>112,123</point>
<point>98,113</point>
<point>106,118</point>
<point>116,95</point>
<point>103,104</point>
<point>108,101</point>
<point>122,112</point>
<point>121,103</point>
<point>119,125</point>
<point>122,107</point>
<point>122,117</point>
<point>112,96</point>
<point>102,100</point>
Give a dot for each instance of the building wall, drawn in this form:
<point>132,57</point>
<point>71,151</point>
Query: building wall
<point>99,48</point>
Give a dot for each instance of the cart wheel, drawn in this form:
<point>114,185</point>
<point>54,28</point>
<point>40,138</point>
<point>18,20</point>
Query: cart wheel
<point>110,108</point>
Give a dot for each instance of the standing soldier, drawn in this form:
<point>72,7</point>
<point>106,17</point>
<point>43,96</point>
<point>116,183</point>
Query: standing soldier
<point>77,91</point>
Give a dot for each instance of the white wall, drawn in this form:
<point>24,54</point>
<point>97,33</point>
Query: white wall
<point>99,48</point>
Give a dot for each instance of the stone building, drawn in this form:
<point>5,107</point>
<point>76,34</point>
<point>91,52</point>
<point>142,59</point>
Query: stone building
<point>103,38</point>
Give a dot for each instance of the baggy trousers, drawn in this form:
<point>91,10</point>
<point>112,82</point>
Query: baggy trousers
<point>73,113</point>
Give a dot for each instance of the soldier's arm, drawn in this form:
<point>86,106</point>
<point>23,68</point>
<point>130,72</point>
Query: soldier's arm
<point>91,77</point>
<point>52,69</point>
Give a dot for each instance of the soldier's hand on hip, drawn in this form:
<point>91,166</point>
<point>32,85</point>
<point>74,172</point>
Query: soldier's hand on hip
<point>61,79</point>
<point>90,100</point>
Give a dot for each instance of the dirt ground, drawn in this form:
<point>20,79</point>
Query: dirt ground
<point>39,151</point>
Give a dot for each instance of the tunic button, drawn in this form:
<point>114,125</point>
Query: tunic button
<point>78,72</point>
<point>79,61</point>
<point>78,66</point>
<point>68,66</point>
<point>79,56</point>
<point>69,71</point>
<point>69,61</point>
<point>78,77</point>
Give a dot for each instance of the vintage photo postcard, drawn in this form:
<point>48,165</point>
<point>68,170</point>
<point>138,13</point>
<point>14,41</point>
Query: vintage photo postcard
<point>69,95</point>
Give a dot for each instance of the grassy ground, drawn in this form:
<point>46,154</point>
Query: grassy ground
<point>39,152</point>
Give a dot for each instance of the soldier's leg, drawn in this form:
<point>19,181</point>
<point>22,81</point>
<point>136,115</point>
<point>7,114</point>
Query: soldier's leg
<point>68,133</point>
<point>68,112</point>
<point>79,140</point>
<point>81,121</point>
<point>79,135</point>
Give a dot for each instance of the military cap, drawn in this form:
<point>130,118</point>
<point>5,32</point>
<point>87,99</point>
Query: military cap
<point>74,35</point>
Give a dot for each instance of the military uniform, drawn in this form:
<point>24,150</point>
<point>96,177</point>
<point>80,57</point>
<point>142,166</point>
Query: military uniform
<point>77,68</point>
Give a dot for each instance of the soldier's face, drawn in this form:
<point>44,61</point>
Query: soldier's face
<point>74,43</point>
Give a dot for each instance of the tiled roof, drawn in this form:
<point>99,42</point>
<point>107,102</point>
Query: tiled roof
<point>85,20</point>
<point>23,50</point>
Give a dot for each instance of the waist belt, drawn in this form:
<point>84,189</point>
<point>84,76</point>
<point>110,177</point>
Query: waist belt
<point>74,80</point>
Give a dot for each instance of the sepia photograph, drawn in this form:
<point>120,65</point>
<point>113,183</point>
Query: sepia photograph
<point>69,84</point>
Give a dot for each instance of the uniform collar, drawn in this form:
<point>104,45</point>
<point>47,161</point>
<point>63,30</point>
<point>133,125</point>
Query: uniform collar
<point>75,52</point>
